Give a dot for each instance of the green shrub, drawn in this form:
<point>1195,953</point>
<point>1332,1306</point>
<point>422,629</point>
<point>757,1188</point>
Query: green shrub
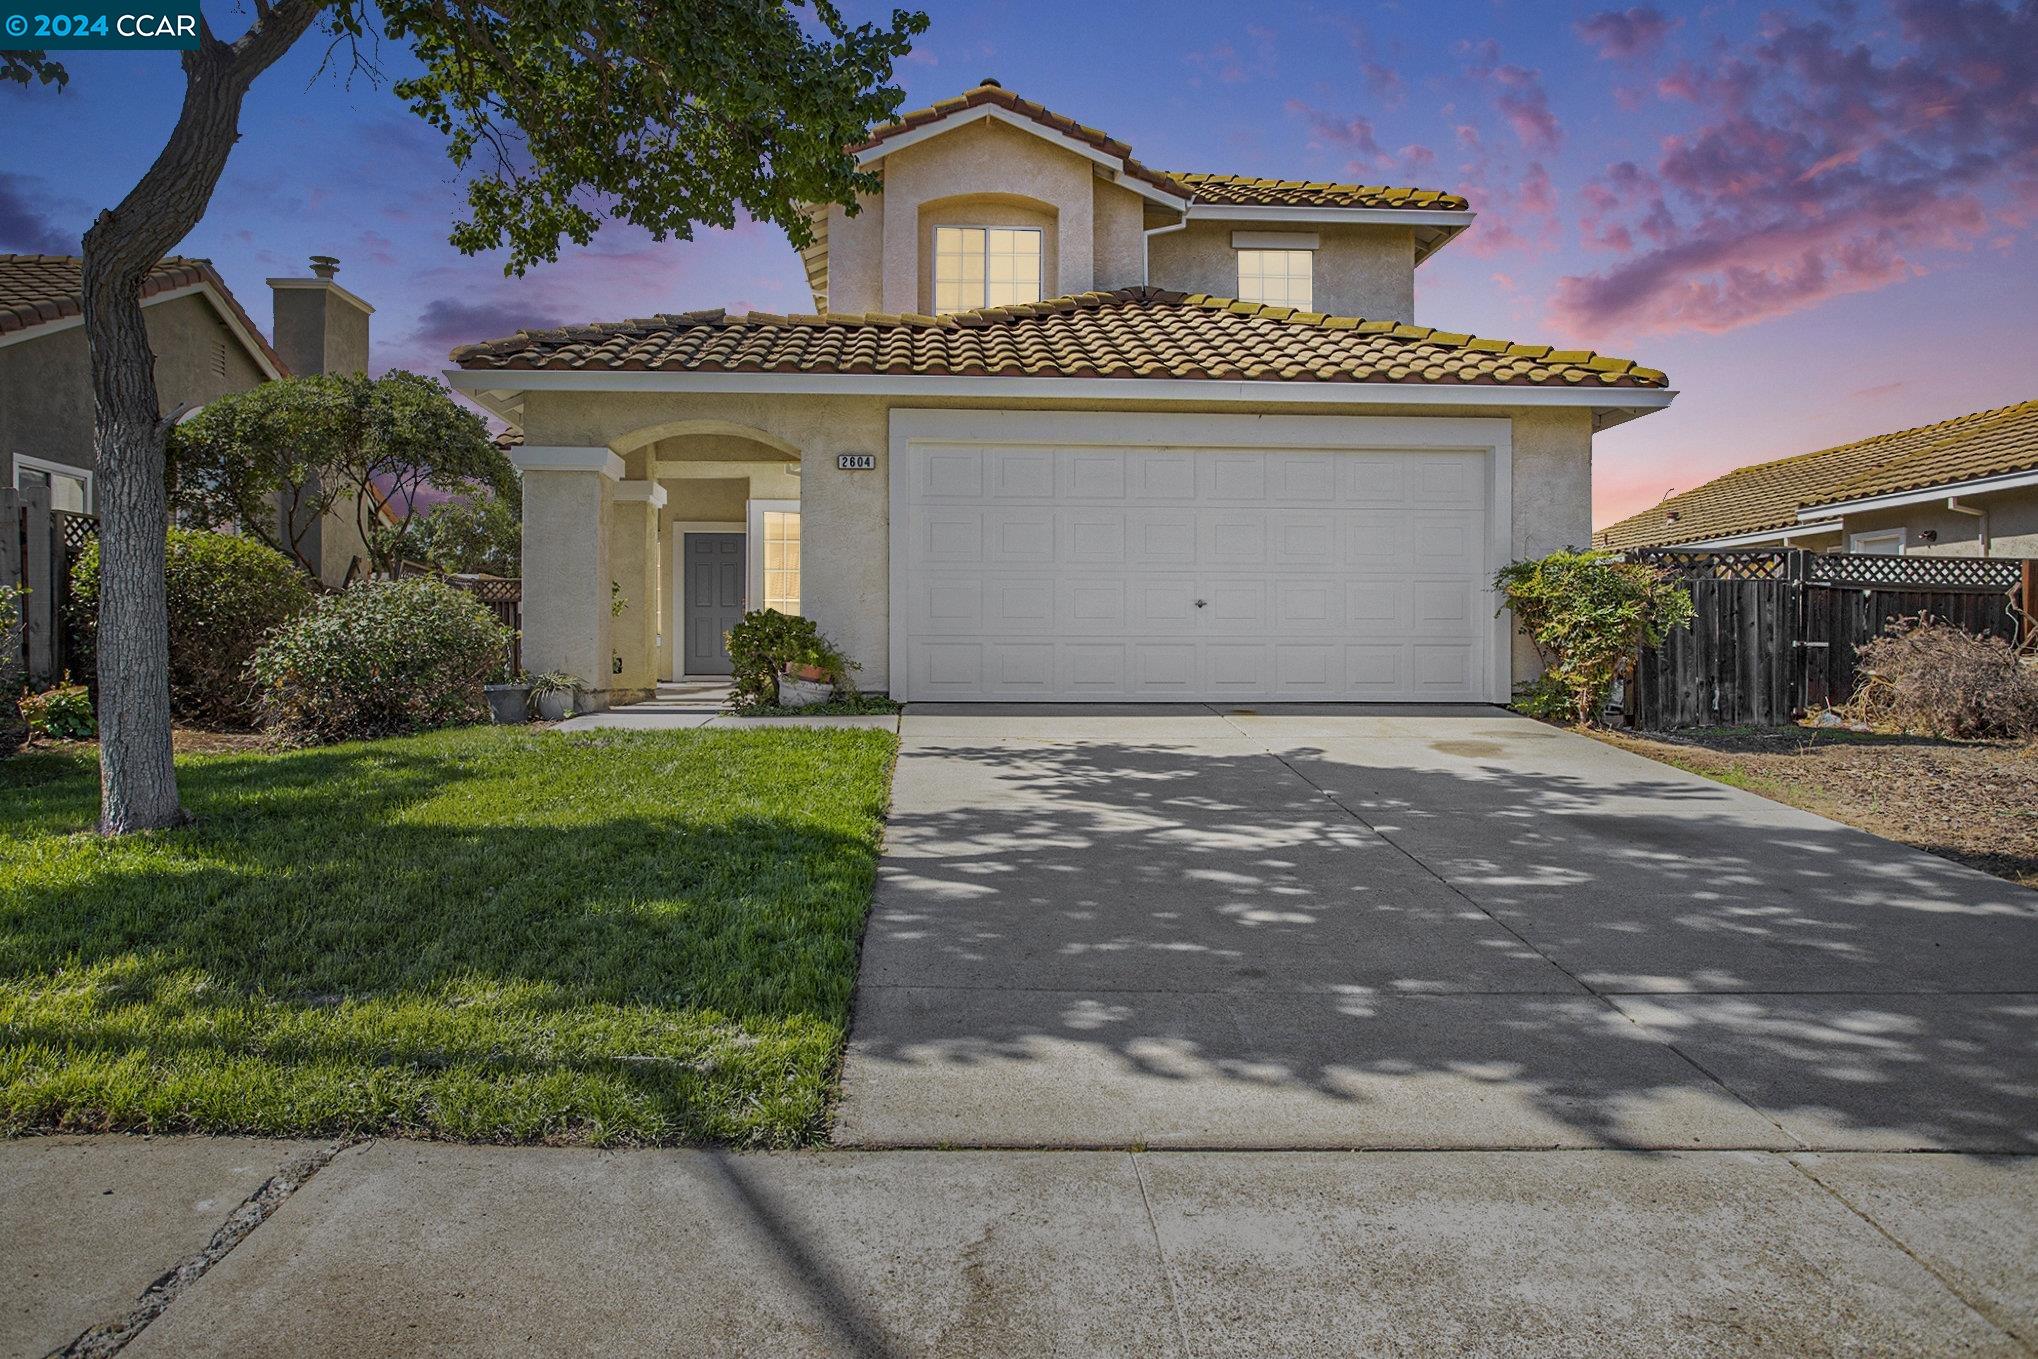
<point>380,659</point>
<point>226,595</point>
<point>1588,614</point>
<point>12,730</point>
<point>63,714</point>
<point>765,643</point>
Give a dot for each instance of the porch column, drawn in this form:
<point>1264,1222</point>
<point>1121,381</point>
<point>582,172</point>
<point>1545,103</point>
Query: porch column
<point>567,497</point>
<point>633,567</point>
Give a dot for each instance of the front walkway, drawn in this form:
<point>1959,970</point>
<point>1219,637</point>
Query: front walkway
<point>704,703</point>
<point>1330,927</point>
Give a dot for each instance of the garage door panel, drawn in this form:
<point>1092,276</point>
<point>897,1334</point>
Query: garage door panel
<point>952,474</point>
<point>1023,604</point>
<point>948,536</point>
<point>1095,537</point>
<point>1019,537</point>
<point>1232,536</point>
<point>1160,538</point>
<point>1075,573</point>
<point>1093,670</point>
<point>1023,475</point>
<point>1095,605</point>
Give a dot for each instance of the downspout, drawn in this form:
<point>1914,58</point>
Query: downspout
<point>1980,529</point>
<point>1146,242</point>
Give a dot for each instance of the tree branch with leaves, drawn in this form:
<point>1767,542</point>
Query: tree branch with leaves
<point>665,115</point>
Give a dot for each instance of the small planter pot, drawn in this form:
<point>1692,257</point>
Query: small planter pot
<point>556,705</point>
<point>508,704</point>
<point>799,693</point>
<point>812,674</point>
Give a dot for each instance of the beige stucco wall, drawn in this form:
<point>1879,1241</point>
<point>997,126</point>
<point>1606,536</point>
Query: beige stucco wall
<point>46,380</point>
<point>567,523</point>
<point>1364,271</point>
<point>1118,237</point>
<point>856,255</point>
<point>1552,488</point>
<point>2012,523</point>
<point>845,516</point>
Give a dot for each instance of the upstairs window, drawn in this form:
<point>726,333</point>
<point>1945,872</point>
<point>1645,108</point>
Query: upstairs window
<point>1281,278</point>
<point>985,267</point>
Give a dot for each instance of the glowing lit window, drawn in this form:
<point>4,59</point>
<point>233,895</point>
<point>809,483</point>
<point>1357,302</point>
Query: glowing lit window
<point>782,560</point>
<point>1279,277</point>
<point>985,267</point>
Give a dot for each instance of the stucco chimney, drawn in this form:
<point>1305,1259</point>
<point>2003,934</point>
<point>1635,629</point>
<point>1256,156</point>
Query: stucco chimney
<point>320,327</point>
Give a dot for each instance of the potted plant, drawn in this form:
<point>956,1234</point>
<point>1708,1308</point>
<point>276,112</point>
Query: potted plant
<point>557,694</point>
<point>508,695</point>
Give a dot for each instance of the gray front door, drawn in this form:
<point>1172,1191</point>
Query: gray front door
<point>713,591</point>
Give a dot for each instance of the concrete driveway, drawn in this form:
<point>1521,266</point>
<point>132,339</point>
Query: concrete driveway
<point>1391,928</point>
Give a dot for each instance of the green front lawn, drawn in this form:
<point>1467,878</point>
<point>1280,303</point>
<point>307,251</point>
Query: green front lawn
<point>485,934</point>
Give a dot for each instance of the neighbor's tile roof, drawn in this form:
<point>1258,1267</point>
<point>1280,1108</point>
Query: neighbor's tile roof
<point>38,289</point>
<point>1132,333</point>
<point>1246,191</point>
<point>993,94</point>
<point>1769,495</point>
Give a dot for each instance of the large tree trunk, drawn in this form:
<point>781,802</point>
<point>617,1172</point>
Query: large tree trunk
<point>137,780</point>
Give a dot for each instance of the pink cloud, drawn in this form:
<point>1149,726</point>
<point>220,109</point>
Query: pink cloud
<point>1626,34</point>
<point>1817,166</point>
<point>1518,96</point>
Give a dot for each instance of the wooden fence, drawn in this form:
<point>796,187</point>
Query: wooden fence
<point>38,546</point>
<point>1775,633</point>
<point>505,598</point>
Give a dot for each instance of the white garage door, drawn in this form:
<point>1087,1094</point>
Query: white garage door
<point>1062,572</point>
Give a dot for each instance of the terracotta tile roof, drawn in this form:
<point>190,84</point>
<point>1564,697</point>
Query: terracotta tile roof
<point>1245,191</point>
<point>1769,495</point>
<point>38,289</point>
<point>992,93</point>
<point>1132,333</point>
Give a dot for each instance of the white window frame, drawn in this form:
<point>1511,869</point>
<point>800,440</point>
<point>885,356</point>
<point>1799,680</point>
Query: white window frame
<point>1309,260</point>
<point>1039,264</point>
<point>62,469</point>
<point>753,583</point>
<point>1855,541</point>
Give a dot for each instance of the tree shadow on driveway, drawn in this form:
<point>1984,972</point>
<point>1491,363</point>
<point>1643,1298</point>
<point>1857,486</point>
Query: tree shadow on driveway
<point>1480,937</point>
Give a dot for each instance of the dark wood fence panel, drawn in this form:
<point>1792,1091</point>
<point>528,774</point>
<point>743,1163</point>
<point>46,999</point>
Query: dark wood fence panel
<point>1775,633</point>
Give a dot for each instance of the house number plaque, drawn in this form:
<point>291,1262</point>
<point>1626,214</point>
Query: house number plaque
<point>856,462</point>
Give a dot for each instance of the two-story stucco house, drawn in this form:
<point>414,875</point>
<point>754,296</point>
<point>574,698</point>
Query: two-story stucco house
<point>1061,427</point>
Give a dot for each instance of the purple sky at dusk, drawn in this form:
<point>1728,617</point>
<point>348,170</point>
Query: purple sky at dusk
<point>1820,218</point>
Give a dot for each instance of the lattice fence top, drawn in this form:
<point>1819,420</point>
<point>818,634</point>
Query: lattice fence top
<point>1753,565</point>
<point>489,590</point>
<point>1973,573</point>
<point>75,530</point>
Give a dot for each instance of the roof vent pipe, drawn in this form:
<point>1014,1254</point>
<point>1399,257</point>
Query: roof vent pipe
<point>325,266</point>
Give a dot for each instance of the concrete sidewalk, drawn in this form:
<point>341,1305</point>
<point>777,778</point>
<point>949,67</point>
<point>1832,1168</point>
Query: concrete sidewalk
<point>411,1247</point>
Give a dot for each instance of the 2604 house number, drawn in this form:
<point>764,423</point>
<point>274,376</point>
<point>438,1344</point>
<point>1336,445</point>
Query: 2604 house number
<point>856,462</point>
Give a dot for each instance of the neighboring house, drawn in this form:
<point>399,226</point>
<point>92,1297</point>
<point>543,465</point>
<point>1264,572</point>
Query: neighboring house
<point>205,346</point>
<point>1062,427</point>
<point>1965,487</point>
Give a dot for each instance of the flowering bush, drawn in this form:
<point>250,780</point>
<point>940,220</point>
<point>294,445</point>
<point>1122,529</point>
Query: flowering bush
<point>380,659</point>
<point>12,730</point>
<point>226,595</point>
